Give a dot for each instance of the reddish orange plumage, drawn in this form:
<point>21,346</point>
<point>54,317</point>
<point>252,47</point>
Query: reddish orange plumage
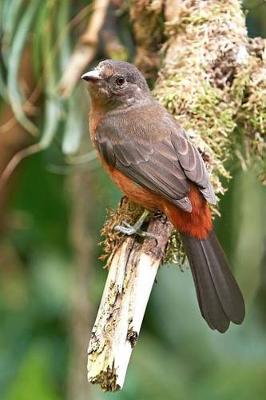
<point>198,223</point>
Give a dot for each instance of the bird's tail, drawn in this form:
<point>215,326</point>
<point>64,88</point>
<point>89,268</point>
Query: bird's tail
<point>220,299</point>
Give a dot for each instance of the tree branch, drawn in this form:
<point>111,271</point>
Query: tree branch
<point>132,272</point>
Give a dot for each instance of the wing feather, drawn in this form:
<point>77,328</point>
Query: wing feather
<point>155,154</point>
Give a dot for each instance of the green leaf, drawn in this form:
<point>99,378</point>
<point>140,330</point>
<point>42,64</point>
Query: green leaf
<point>74,127</point>
<point>10,13</point>
<point>52,117</point>
<point>15,95</point>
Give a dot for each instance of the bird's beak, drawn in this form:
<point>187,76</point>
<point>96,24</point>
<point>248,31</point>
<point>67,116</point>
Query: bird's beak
<point>92,76</point>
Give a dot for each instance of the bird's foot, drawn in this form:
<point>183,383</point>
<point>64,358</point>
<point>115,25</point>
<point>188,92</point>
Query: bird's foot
<point>130,230</point>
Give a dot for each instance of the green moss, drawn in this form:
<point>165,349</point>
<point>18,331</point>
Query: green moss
<point>252,120</point>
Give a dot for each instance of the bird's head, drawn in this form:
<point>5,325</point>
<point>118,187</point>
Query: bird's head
<point>116,84</point>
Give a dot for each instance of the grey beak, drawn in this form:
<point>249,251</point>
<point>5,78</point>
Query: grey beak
<point>92,76</point>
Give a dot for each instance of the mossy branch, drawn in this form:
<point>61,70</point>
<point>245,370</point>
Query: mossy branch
<point>208,77</point>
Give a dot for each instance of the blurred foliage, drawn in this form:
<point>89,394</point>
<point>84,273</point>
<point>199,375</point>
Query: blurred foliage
<point>177,357</point>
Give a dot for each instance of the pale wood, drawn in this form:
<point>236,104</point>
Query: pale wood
<point>130,279</point>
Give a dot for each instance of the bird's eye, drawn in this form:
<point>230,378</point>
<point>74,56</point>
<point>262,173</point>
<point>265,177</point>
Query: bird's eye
<point>120,81</point>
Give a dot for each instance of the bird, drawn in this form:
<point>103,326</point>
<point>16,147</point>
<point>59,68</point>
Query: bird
<point>151,159</point>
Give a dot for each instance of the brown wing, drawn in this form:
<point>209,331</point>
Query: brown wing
<point>154,154</point>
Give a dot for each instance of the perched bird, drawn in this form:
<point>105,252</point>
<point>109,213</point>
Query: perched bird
<point>150,158</point>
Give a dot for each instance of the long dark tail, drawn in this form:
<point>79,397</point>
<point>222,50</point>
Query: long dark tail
<point>220,299</point>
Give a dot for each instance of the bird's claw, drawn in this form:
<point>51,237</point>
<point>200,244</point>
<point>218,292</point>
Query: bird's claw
<point>127,229</point>
<point>131,230</point>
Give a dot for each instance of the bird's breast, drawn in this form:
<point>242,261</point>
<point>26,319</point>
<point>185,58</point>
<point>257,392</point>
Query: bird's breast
<point>132,190</point>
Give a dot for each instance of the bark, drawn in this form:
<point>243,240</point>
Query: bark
<point>130,279</point>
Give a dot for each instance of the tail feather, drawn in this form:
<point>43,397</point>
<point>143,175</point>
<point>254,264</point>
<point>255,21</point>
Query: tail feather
<point>220,299</point>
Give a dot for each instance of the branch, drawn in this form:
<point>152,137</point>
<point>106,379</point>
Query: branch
<point>208,78</point>
<point>132,272</point>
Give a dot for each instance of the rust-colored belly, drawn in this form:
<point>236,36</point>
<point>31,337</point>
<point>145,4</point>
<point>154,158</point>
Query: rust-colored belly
<point>133,191</point>
<point>198,223</point>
